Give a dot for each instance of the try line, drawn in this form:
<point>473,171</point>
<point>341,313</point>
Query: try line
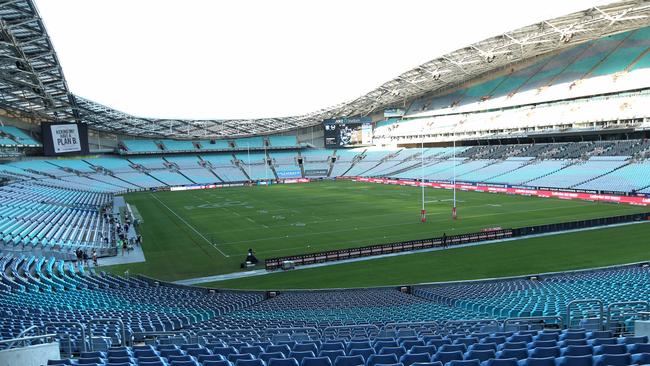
<point>190,226</point>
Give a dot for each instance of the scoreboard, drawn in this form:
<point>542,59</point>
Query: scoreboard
<point>347,132</point>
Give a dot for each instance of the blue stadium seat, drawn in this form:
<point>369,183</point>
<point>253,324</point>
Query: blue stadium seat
<point>411,358</point>
<point>481,355</point>
<point>500,362</point>
<point>316,361</point>
<point>445,357</point>
<point>363,352</point>
<point>349,361</point>
<point>283,362</point>
<point>613,360</point>
<point>381,360</point>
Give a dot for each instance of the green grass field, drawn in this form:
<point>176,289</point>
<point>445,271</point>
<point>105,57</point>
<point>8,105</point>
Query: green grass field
<point>578,250</point>
<point>199,233</point>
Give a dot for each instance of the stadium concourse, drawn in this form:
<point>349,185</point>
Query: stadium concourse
<point>558,106</point>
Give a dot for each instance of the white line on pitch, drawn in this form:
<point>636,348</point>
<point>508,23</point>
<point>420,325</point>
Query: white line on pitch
<point>190,226</point>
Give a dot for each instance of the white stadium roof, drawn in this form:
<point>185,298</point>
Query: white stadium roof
<point>33,86</point>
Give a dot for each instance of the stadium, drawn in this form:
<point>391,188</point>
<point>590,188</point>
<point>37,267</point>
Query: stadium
<point>486,208</point>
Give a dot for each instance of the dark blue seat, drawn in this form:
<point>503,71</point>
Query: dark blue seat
<point>610,349</point>
<point>216,363</point>
<point>152,363</point>
<point>454,347</point>
<point>500,362</point>
<point>90,361</point>
<point>586,360</point>
<point>349,361</point>
<point>600,334</point>
<point>381,360</point>
<point>574,342</point>
<point>397,351</point>
<point>437,363</point>
<point>299,355</point>
<point>519,354</point>
<point>283,348</point>
<point>332,355</point>
<point>138,353</point>
<point>123,359</point>
<point>573,335</point>
<point>638,348</point>
<point>536,344</point>
<point>411,358</point>
<point>635,340</point>
<point>225,351</point>
<point>302,347</point>
<point>431,350</point>
<point>578,351</point>
<point>358,345</point>
<point>381,344</point>
<point>544,352</point>
<point>202,358</point>
<point>526,338</point>
<point>243,356</point>
<point>316,361</point>
<point>253,350</point>
<point>170,352</point>
<point>255,362</point>
<point>641,359</point>
<point>483,347</point>
<point>494,339</point>
<point>332,346</point>
<point>613,360</point>
<point>445,357</point>
<point>66,361</point>
<point>267,356</point>
<point>283,362</point>
<point>438,342</point>
<point>409,343</point>
<point>513,345</point>
<point>600,341</point>
<point>467,341</point>
<point>481,355</point>
<point>363,352</point>
<point>184,363</point>
<point>542,361</point>
<point>99,354</point>
<point>464,363</point>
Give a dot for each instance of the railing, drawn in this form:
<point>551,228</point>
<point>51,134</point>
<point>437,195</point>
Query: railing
<point>379,249</point>
<point>601,312</point>
<point>624,309</point>
<point>123,341</point>
<point>21,340</point>
<point>534,320</point>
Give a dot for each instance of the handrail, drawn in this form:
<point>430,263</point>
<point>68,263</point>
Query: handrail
<point>395,324</point>
<point>123,342</point>
<point>77,324</point>
<point>364,326</point>
<point>199,333</point>
<point>611,305</point>
<point>15,340</point>
<point>533,318</point>
<point>291,329</point>
<point>172,332</point>
<point>489,321</point>
<point>585,301</point>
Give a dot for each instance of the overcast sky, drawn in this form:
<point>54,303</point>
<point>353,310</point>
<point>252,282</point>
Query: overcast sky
<point>262,58</point>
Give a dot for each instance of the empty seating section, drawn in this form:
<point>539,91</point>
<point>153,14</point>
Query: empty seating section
<point>223,166</point>
<point>141,146</point>
<point>178,145</point>
<point>170,178</point>
<point>627,178</point>
<point>149,162</point>
<point>285,164</point>
<point>200,176</point>
<point>254,165</point>
<point>250,143</point>
<point>207,145</point>
<point>316,163</point>
<point>34,216</point>
<point>453,323</point>
<point>343,163</point>
<point>493,170</point>
<point>14,136</point>
<point>576,173</point>
<point>283,141</point>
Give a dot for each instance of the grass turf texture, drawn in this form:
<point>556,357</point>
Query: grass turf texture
<point>198,233</point>
<point>562,252</point>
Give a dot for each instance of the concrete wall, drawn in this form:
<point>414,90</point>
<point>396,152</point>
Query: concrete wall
<point>30,356</point>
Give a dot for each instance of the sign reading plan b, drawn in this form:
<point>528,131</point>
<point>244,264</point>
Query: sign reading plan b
<point>65,138</point>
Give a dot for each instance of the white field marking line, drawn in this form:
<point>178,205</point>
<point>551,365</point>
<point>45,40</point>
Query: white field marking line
<point>190,226</point>
<point>429,214</point>
<point>525,221</point>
